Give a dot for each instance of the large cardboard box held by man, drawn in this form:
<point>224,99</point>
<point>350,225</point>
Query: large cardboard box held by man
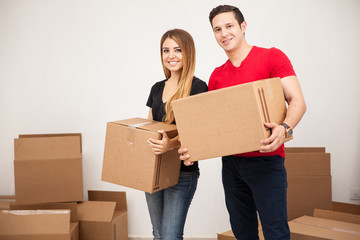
<point>129,161</point>
<point>37,224</point>
<point>309,181</point>
<point>229,120</point>
<point>104,217</point>
<point>48,168</point>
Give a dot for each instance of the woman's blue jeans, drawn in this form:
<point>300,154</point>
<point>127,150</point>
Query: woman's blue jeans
<point>168,208</point>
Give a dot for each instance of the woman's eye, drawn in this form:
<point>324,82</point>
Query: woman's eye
<point>178,50</point>
<point>165,50</point>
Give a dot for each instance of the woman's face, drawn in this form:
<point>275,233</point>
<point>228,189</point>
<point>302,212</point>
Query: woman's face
<point>171,55</point>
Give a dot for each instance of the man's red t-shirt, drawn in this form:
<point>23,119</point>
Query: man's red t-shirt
<point>261,63</point>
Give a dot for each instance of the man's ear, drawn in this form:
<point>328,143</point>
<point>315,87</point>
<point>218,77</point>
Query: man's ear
<point>243,26</point>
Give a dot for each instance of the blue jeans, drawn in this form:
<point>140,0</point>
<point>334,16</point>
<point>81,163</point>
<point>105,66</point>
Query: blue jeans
<point>168,207</point>
<point>256,184</point>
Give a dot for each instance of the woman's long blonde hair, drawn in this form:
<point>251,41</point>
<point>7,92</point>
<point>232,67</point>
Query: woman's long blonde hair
<point>187,46</point>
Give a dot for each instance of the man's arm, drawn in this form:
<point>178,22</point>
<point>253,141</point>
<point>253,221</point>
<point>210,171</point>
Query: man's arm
<point>296,109</point>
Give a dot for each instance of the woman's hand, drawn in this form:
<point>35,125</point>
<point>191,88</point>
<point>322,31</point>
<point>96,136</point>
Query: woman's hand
<point>184,156</point>
<point>160,146</point>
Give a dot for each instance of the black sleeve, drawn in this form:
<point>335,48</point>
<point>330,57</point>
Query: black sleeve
<point>149,102</point>
<point>198,86</point>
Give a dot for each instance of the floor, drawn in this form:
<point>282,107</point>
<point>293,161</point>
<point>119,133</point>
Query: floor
<point>130,238</point>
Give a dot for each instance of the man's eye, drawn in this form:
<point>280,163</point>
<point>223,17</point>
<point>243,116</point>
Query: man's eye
<point>217,30</point>
<point>229,26</point>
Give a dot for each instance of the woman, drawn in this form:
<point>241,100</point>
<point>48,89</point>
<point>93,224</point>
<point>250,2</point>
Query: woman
<point>168,208</point>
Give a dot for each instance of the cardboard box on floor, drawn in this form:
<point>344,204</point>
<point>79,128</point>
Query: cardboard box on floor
<point>229,120</point>
<point>326,225</point>
<point>229,235</point>
<point>48,168</point>
<point>37,224</point>
<point>104,217</point>
<point>309,181</point>
<point>130,162</point>
<point>6,202</point>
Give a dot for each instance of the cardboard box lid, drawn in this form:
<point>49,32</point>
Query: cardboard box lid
<point>307,164</point>
<point>72,206</point>
<point>145,124</point>
<point>15,222</point>
<point>96,211</point>
<point>325,228</point>
<point>229,115</point>
<point>110,196</point>
<point>39,147</point>
<point>338,216</point>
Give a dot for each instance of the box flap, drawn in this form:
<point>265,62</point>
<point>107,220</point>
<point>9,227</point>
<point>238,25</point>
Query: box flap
<point>338,216</point>
<point>34,222</point>
<point>346,207</point>
<point>146,124</point>
<point>118,197</point>
<point>96,211</point>
<point>325,228</point>
<point>72,206</point>
<point>39,148</point>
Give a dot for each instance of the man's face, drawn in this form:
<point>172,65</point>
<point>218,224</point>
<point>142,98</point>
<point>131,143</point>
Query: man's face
<point>227,31</point>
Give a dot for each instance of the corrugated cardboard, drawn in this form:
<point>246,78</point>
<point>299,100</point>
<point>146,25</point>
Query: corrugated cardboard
<point>313,228</point>
<point>37,224</point>
<point>48,168</point>
<point>6,202</point>
<point>338,216</point>
<point>309,183</point>
<point>229,120</point>
<point>129,161</point>
<point>104,217</point>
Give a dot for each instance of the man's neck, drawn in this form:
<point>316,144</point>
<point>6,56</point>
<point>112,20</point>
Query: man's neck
<point>238,55</point>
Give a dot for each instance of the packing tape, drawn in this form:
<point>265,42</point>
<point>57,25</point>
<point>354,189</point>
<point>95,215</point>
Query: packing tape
<point>140,124</point>
<point>35,212</point>
<point>131,132</point>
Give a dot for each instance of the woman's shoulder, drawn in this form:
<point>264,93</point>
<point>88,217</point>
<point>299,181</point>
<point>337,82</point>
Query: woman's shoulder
<point>158,84</point>
<point>198,81</point>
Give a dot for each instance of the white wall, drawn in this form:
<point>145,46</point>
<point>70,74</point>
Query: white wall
<point>72,66</point>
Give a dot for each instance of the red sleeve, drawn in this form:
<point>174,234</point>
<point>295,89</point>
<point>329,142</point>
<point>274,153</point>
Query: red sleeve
<point>280,65</point>
<point>212,82</point>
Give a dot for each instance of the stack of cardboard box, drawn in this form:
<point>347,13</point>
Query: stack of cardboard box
<point>49,194</point>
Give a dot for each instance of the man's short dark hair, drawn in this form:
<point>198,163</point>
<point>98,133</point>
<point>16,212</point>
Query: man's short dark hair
<point>226,8</point>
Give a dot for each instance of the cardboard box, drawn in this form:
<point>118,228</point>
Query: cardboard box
<point>229,235</point>
<point>104,217</point>
<point>129,161</point>
<point>37,224</point>
<point>309,183</point>
<point>48,168</point>
<point>230,120</point>
<point>6,202</point>
<point>326,225</point>
<point>305,150</point>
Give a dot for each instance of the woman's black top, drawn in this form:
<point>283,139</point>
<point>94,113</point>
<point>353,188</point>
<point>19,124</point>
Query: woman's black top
<point>158,106</point>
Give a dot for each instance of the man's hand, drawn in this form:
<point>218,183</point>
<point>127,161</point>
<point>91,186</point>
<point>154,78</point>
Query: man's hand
<point>185,156</point>
<point>275,140</point>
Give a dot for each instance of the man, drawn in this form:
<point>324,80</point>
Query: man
<point>255,182</point>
